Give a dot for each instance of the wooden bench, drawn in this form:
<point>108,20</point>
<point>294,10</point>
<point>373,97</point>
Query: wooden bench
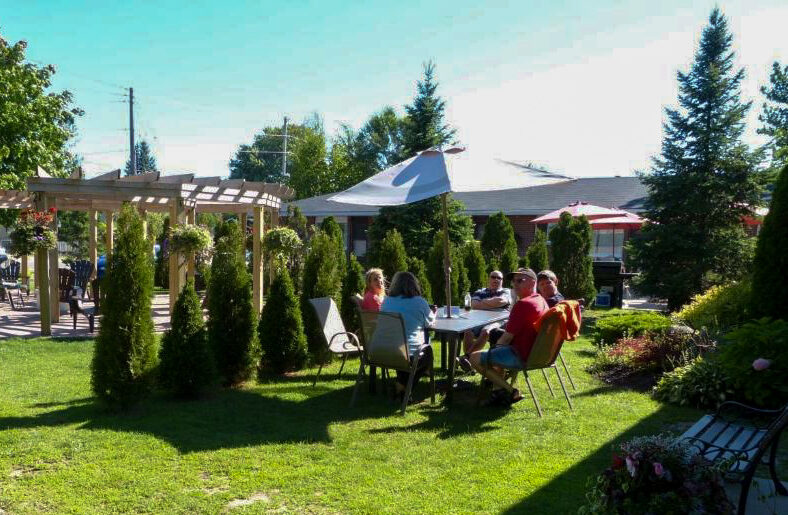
<point>741,435</point>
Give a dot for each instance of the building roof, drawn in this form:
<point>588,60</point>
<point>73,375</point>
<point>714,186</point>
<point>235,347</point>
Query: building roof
<point>619,192</point>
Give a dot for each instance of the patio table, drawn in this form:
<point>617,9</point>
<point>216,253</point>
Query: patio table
<point>453,328</point>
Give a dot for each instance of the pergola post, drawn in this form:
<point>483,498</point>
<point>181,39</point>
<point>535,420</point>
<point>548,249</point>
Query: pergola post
<point>243,219</point>
<point>274,223</point>
<point>93,240</point>
<point>191,265</point>
<point>110,238</point>
<point>24,274</point>
<point>54,276</point>
<point>176,270</point>
<point>257,259</point>
<point>42,279</point>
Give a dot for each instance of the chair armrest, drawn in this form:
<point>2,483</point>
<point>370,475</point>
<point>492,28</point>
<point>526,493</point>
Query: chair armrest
<point>422,348</point>
<point>353,339</point>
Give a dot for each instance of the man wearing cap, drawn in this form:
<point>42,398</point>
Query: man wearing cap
<point>514,346</point>
<point>493,298</point>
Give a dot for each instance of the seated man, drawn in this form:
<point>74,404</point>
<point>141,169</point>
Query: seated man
<point>514,346</point>
<point>493,298</point>
<point>547,286</point>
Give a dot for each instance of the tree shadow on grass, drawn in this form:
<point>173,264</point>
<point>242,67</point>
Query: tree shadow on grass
<point>566,492</point>
<point>231,418</point>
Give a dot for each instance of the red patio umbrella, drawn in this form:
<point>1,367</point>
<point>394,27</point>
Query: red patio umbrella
<point>609,222</point>
<point>580,208</point>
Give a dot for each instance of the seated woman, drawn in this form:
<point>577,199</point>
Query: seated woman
<point>405,298</point>
<point>374,293</point>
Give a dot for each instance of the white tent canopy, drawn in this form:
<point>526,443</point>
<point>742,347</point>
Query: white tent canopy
<point>433,172</point>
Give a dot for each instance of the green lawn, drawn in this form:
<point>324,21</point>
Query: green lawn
<point>287,447</point>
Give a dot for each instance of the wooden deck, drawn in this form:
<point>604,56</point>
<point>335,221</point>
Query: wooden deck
<point>24,321</point>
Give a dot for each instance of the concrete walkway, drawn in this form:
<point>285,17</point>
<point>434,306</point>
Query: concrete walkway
<point>24,321</point>
<point>762,499</point>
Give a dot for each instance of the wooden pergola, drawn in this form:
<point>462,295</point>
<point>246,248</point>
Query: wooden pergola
<point>181,195</point>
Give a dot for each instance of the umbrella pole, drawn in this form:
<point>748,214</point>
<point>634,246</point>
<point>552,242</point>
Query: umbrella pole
<point>446,255</point>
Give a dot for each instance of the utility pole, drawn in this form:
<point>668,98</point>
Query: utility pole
<point>284,150</point>
<point>133,151</point>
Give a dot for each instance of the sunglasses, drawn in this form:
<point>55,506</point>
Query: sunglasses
<point>520,280</point>
<point>496,277</point>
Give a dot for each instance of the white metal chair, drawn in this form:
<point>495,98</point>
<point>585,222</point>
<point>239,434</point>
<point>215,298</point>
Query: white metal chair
<point>339,341</point>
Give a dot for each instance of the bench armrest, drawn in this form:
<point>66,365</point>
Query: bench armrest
<point>732,411</point>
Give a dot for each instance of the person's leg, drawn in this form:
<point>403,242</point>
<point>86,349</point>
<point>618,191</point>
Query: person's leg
<point>482,362</point>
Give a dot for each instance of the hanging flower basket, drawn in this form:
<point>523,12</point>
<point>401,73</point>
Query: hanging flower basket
<point>32,231</point>
<point>187,238</point>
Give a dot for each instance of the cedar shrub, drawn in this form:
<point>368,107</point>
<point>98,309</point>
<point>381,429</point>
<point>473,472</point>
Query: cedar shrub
<point>281,329</point>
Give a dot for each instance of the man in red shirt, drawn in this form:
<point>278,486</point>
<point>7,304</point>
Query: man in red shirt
<point>514,346</point>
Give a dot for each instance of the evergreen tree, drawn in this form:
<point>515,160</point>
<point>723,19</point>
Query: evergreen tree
<point>281,328</point>
<point>322,278</point>
<point>437,275</point>
<point>571,257</point>
<point>537,252</point>
<point>332,228</point>
<point>498,244</point>
<point>417,267</point>
<point>770,270</point>
<point>125,353</point>
<point>475,265</point>
<point>389,254</point>
<point>73,228</point>
<point>424,125</point>
<point>775,114</point>
<point>186,363</point>
<point>231,317</point>
<point>703,182</point>
<point>422,128</point>
<point>353,284</point>
<point>145,160</point>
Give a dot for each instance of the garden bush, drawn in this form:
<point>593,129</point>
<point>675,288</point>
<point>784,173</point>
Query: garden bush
<point>657,474</point>
<point>610,328</point>
<point>475,266</point>
<point>417,267</point>
<point>702,383</point>
<point>498,244</point>
<point>353,284</point>
<point>232,321</point>
<point>647,353</point>
<point>437,275</point>
<point>755,358</point>
<point>571,257</point>
<point>389,254</point>
<point>536,255</point>
<point>281,328</point>
<point>125,353</point>
<point>322,278</point>
<point>719,307</point>
<point>186,363</point>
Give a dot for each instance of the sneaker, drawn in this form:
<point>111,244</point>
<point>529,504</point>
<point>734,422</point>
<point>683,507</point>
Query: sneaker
<point>465,363</point>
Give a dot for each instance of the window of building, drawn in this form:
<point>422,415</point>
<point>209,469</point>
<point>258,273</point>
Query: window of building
<point>608,244</point>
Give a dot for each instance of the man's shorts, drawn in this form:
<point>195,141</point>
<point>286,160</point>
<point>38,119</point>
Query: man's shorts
<point>490,327</point>
<point>504,356</point>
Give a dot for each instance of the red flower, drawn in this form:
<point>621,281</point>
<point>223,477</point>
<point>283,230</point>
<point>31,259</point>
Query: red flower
<point>618,461</point>
<point>52,210</point>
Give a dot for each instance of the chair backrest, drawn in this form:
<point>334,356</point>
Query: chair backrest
<point>83,269</point>
<point>65,283</point>
<point>548,342</point>
<point>328,316</point>
<point>95,285</point>
<point>11,272</point>
<point>385,344</point>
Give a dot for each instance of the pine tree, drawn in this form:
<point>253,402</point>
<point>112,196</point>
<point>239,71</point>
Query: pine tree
<point>232,321</point>
<point>145,160</point>
<point>424,126</point>
<point>417,267</point>
<point>775,113</point>
<point>537,252</point>
<point>475,265</point>
<point>498,244</point>
<point>330,226</point>
<point>703,182</point>
<point>125,353</point>
<point>322,278</point>
<point>389,254</point>
<point>186,363</point>
<point>353,284</point>
<point>281,328</point>
<point>770,268</point>
<point>571,257</point>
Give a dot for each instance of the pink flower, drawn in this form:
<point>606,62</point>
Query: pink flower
<point>631,466</point>
<point>658,470</point>
<point>761,364</point>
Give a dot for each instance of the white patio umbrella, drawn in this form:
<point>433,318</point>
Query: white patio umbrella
<point>435,172</point>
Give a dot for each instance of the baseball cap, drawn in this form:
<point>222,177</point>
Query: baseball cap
<point>522,271</point>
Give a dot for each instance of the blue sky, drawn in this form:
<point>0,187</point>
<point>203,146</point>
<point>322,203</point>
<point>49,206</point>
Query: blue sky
<point>577,86</point>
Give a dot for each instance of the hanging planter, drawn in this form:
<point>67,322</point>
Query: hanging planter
<point>186,238</point>
<point>32,231</point>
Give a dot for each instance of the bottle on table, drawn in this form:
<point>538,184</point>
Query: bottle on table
<point>467,302</point>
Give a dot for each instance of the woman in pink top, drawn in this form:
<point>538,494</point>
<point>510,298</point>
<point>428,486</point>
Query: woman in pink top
<point>375,291</point>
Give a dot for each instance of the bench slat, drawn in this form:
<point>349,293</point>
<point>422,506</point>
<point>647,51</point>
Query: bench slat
<point>699,426</point>
<point>723,439</point>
